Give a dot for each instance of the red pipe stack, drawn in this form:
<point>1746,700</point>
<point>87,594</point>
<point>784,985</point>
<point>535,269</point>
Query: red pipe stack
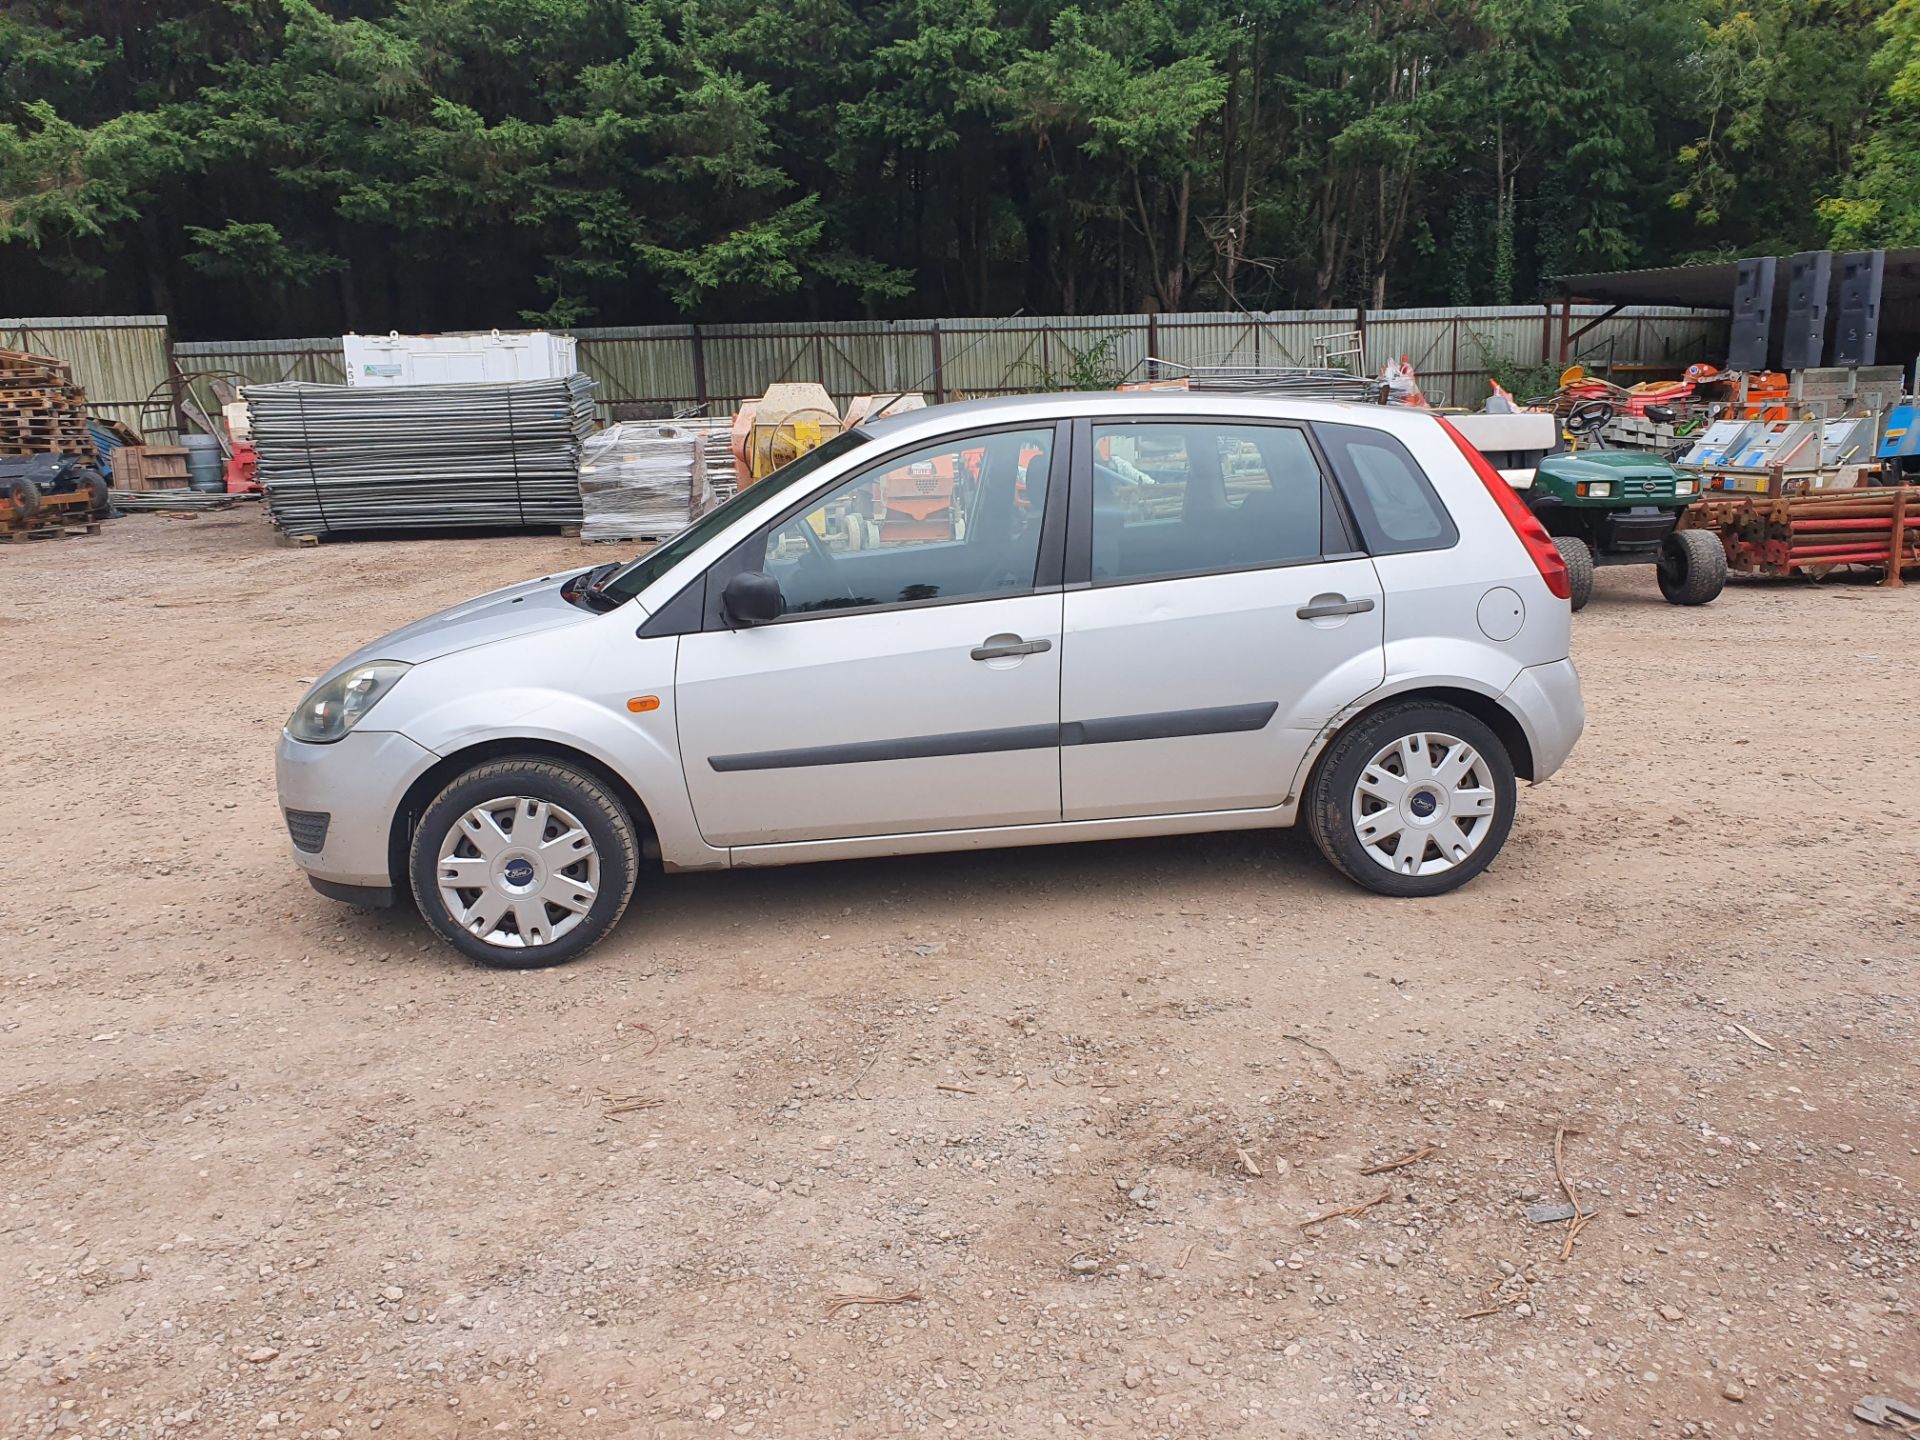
<point>1780,535</point>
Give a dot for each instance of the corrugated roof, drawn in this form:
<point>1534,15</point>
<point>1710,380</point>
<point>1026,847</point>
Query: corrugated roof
<point>1710,286</point>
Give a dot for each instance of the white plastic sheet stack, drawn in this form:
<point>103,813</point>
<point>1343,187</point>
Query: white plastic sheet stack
<point>639,480</point>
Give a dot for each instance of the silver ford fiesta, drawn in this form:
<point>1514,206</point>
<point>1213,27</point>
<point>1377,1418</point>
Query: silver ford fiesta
<point>1011,622</point>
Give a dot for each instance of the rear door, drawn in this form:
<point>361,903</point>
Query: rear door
<point>913,683</point>
<point>1218,614</point>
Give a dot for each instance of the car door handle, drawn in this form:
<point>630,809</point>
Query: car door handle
<point>1337,607</point>
<point>1016,647</point>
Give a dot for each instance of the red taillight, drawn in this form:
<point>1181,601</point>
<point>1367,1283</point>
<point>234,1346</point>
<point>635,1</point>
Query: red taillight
<point>1533,535</point>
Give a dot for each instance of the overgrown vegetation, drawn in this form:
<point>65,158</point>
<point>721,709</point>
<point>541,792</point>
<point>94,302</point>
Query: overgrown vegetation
<point>301,166</point>
<point>1093,366</point>
<point>1519,378</point>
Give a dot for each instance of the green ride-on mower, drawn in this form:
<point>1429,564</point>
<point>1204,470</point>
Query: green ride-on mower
<point>1620,507</point>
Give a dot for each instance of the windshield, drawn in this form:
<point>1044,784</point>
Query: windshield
<point>662,558</point>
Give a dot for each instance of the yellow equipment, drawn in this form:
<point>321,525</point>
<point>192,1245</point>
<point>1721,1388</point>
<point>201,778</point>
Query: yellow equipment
<point>786,422</point>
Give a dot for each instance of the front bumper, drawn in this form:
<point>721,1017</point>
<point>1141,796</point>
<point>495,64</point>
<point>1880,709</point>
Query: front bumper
<point>358,782</point>
<point>1546,701</point>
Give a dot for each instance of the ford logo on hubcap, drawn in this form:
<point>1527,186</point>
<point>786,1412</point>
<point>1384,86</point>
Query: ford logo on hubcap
<point>1424,805</point>
<point>518,872</point>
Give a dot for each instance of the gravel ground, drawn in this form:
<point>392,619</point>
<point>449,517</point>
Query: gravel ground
<point>273,1165</point>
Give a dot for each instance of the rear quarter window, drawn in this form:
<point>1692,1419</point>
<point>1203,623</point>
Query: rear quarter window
<point>1391,498</point>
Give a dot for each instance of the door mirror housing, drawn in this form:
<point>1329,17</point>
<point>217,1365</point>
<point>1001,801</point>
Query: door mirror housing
<point>752,597</point>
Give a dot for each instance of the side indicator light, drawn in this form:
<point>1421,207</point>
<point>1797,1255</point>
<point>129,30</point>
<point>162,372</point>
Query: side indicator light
<point>641,704</point>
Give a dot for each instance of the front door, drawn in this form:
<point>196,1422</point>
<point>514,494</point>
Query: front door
<point>913,682</point>
<point>1225,619</point>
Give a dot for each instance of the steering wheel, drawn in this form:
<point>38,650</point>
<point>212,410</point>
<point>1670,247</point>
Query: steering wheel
<point>1587,419</point>
<point>820,560</point>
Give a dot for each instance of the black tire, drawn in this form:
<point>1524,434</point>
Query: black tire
<point>24,496</point>
<point>599,813</point>
<point>1331,795</point>
<point>1692,567</point>
<point>99,502</point>
<point>1579,568</point>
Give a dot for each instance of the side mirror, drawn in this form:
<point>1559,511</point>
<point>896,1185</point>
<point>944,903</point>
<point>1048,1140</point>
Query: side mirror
<point>752,597</point>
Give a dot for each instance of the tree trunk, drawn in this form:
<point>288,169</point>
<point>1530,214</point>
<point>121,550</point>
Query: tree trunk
<point>1173,291</point>
<point>965,217</point>
<point>1502,220</point>
<point>1336,202</point>
<point>1038,234</point>
<point>153,255</point>
<point>1243,212</point>
<point>349,291</point>
<point>1146,233</point>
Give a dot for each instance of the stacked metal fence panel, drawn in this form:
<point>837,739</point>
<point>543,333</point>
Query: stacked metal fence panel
<point>334,458</point>
<point>1300,382</point>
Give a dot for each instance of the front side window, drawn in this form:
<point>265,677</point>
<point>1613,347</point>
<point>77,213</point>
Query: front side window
<point>1183,499</point>
<point>640,573</point>
<point>955,520</point>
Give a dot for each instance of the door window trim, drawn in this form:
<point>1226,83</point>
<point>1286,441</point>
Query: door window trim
<point>1047,563</point>
<point>1338,534</point>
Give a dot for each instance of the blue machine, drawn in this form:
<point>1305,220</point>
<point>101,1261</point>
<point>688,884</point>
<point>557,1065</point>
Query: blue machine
<point>1720,442</point>
<point>1901,439</point>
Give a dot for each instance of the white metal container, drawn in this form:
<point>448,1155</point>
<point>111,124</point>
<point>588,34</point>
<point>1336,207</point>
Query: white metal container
<point>491,358</point>
<point>1518,437</point>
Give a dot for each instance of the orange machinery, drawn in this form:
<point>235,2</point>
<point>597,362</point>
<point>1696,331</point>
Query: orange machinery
<point>915,502</point>
<point>928,499</point>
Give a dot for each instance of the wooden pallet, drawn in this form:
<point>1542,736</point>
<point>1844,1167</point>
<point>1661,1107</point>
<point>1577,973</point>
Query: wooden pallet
<point>150,467</point>
<point>41,410</point>
<point>49,532</point>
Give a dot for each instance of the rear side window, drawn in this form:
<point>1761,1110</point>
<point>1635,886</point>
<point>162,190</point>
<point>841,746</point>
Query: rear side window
<point>1188,499</point>
<point>1390,495</point>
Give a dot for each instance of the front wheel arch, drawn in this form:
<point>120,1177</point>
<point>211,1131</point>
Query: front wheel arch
<point>406,816</point>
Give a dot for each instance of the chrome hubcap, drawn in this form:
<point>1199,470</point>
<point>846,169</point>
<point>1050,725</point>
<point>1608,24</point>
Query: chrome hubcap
<point>518,872</point>
<point>1424,804</point>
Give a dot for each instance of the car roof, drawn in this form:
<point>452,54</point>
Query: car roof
<point>1168,404</point>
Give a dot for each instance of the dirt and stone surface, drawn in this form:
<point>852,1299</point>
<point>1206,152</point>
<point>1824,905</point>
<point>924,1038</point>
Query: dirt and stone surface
<point>272,1165</point>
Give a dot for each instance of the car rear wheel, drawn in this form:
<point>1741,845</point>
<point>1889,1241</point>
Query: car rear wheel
<point>523,863</point>
<point>1415,799</point>
<point>1579,568</point>
<point>1692,567</point>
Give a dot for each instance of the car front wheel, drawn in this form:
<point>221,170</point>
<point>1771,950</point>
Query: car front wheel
<point>1415,799</point>
<point>523,863</point>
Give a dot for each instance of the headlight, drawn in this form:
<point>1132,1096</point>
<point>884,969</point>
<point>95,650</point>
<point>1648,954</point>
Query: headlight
<point>331,710</point>
<point>1600,487</point>
<point>1683,487</point>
